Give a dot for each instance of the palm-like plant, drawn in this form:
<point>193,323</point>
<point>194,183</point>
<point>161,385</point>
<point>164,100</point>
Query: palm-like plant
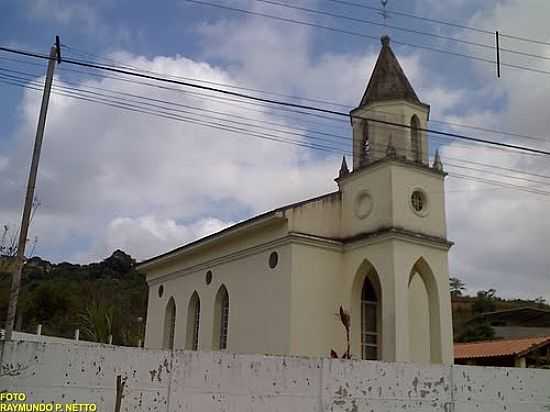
<point>345,318</point>
<point>96,322</point>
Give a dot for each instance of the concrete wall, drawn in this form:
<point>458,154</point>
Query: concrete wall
<point>217,381</point>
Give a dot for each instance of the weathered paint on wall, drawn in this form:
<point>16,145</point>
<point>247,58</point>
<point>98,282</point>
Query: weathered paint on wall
<point>218,381</point>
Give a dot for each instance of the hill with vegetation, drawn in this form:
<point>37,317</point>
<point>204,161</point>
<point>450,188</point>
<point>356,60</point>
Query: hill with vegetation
<point>100,299</point>
<point>110,298</point>
<point>466,307</point>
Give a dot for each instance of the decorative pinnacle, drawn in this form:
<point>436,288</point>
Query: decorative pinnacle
<point>437,164</point>
<point>385,39</point>
<point>344,170</point>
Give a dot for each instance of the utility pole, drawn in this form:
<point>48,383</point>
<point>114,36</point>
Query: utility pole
<point>29,197</point>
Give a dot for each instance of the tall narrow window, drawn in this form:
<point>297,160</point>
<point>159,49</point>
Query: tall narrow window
<point>169,325</point>
<point>193,321</point>
<point>369,322</point>
<point>416,146</point>
<point>221,319</point>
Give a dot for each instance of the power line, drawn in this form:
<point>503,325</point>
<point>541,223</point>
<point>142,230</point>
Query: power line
<point>288,104</point>
<point>443,22</point>
<point>399,28</point>
<point>334,29</point>
<point>267,136</point>
<point>312,137</point>
<point>210,97</point>
<point>302,131</point>
<point>232,86</point>
<point>367,36</point>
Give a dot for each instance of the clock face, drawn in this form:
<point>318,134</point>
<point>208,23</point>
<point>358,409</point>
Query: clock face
<point>363,205</point>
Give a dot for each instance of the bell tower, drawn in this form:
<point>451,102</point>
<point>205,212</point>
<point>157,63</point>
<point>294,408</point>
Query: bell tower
<point>389,100</point>
<point>394,224</point>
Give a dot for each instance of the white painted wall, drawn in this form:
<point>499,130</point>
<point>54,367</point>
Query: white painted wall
<point>258,301</point>
<point>163,381</point>
<point>419,321</point>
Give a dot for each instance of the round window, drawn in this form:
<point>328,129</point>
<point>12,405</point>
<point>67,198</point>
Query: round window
<point>208,277</point>
<point>418,201</point>
<point>363,205</point>
<point>273,259</point>
<point>161,291</point>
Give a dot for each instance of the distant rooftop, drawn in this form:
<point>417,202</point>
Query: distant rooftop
<point>498,348</point>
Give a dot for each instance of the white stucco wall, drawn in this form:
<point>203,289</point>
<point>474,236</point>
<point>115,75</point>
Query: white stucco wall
<point>397,112</point>
<point>419,321</point>
<point>163,381</point>
<point>258,297</point>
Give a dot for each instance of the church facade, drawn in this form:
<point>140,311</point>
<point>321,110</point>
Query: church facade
<point>377,246</point>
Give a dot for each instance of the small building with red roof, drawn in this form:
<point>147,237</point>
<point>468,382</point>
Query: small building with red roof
<point>530,352</point>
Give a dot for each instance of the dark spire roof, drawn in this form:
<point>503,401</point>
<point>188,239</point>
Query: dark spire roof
<point>388,81</point>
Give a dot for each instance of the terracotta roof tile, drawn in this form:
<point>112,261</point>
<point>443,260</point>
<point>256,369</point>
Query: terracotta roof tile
<point>495,348</point>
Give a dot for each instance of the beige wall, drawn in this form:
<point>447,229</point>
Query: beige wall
<point>316,293</point>
<point>406,179</point>
<point>321,217</point>
<point>323,279</point>
<point>397,112</point>
<point>419,321</point>
<point>258,299</point>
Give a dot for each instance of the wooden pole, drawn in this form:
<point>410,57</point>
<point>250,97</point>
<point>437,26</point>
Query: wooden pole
<point>29,197</point>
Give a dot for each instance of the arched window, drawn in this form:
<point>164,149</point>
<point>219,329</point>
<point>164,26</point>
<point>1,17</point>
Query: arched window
<point>193,321</point>
<point>370,339</point>
<point>169,325</point>
<point>221,319</point>
<point>416,145</point>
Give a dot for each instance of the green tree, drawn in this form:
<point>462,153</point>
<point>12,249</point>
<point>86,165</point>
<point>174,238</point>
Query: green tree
<point>485,301</point>
<point>456,286</point>
<point>477,331</point>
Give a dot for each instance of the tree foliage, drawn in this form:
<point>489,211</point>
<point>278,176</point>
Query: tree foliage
<point>478,331</point>
<point>100,299</point>
<point>456,286</point>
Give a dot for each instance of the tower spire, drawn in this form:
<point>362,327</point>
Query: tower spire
<point>388,80</point>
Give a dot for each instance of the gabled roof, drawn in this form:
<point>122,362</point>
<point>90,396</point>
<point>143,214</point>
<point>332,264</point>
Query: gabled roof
<point>498,348</point>
<point>388,81</point>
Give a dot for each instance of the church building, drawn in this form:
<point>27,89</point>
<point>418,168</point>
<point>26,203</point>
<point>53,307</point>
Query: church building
<point>377,246</point>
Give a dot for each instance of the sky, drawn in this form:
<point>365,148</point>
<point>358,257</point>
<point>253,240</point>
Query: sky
<point>112,178</point>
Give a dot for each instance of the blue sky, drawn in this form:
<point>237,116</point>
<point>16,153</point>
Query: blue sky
<point>113,179</point>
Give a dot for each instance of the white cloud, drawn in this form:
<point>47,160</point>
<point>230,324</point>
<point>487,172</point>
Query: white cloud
<point>99,164</point>
<point>147,236</point>
<point>126,180</point>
